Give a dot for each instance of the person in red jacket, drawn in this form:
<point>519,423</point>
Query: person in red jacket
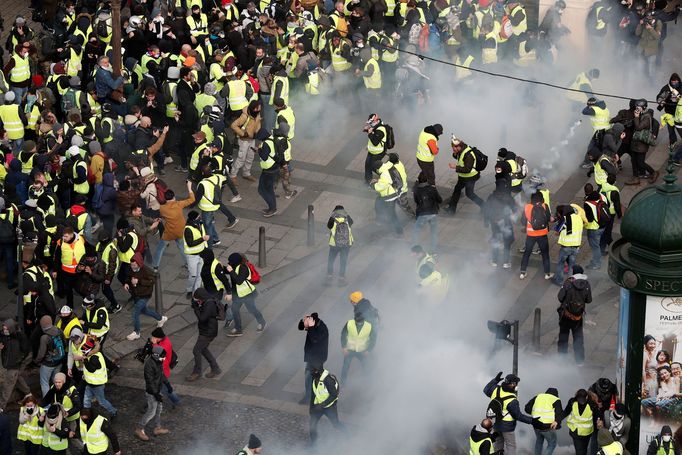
<point>160,338</point>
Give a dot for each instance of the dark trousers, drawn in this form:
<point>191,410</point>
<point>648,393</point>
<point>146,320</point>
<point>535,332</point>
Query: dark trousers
<point>66,285</point>
<point>315,416</point>
<point>186,147</point>
<point>266,188</point>
<point>543,244</point>
<point>108,223</point>
<point>566,327</point>
<point>31,449</point>
<point>385,212</point>
<point>369,164</point>
<point>342,252</point>
<point>109,294</point>
<point>639,166</point>
<point>580,443</point>
<point>467,184</point>
<point>607,237</point>
<point>201,350</point>
<point>672,134</point>
<point>9,252</point>
<point>348,358</point>
<point>249,302</point>
<point>428,170</point>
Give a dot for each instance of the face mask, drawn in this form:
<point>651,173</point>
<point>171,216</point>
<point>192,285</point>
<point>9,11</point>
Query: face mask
<point>675,84</point>
<point>667,438</point>
<point>30,411</point>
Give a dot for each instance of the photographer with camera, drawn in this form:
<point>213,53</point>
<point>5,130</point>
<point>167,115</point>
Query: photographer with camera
<point>153,382</point>
<point>159,338</point>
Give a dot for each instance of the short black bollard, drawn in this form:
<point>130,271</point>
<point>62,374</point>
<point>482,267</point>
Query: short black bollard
<point>311,225</point>
<point>261,247</point>
<point>536,330</point>
<point>158,292</point>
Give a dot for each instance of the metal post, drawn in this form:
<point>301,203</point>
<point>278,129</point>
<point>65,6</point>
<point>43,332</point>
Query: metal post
<point>116,37</point>
<point>20,278</point>
<point>515,366</point>
<point>536,330</point>
<point>158,292</point>
<point>261,247</point>
<point>311,225</point>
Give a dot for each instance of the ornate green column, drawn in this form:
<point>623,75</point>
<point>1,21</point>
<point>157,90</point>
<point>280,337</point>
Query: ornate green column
<point>647,264</point>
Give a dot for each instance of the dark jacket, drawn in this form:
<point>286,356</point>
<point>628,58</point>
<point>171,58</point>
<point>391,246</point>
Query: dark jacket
<point>5,435</point>
<point>15,346</point>
<point>643,122</point>
<point>576,289</point>
<point>478,433</point>
<point>108,195</point>
<point>57,396</point>
<point>89,283</point>
<point>98,317</point>
<point>664,97</point>
<point>206,318</point>
<point>145,283</point>
<point>658,442</point>
<point>189,118</point>
<point>46,350</point>
<point>626,118</point>
<point>581,409</point>
<point>512,407</point>
<point>469,161</point>
<point>427,199</point>
<point>106,429</point>
<point>316,342</point>
<point>330,384</point>
<point>153,376</point>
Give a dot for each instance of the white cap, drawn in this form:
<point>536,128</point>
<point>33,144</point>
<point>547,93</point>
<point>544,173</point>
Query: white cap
<point>10,97</point>
<point>73,151</point>
<point>65,310</point>
<point>145,171</point>
<point>454,140</point>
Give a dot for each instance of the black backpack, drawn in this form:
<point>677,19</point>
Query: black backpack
<point>396,179</point>
<point>538,218</point>
<point>390,137</point>
<point>602,209</point>
<point>7,232</point>
<point>481,159</point>
<point>174,360</point>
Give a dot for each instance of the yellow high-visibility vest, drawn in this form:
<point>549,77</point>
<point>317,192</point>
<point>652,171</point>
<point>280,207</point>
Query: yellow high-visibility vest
<point>372,82</point>
<point>288,115</point>
<point>72,254</point>
<point>543,407</point>
<point>30,430</point>
<point>575,237</point>
<point>236,98</point>
<point>81,188</point>
<point>607,191</point>
<point>21,70</point>
<point>525,58</point>
<point>211,185</point>
<point>99,333</point>
<point>505,398</point>
<point>246,287</point>
<point>339,63</point>
<point>358,341</point>
<point>580,423</point>
<point>93,438</point>
<point>270,161</point>
<point>196,234</point>
<point>460,162</point>
<point>423,150</point>
<point>581,97</point>
<point>320,390</point>
<point>332,237</point>
<point>127,256</point>
<point>379,148</point>
<point>284,94</point>
<point>9,114</point>
<point>99,376</point>
<point>68,327</point>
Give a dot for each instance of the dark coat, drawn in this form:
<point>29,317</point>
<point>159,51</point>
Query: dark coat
<point>206,318</point>
<point>643,122</point>
<point>153,376</point>
<point>427,199</point>
<point>108,195</point>
<point>15,346</point>
<point>316,342</point>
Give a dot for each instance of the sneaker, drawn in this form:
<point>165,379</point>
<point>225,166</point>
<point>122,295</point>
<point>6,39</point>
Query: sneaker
<point>115,309</point>
<point>270,213</point>
<point>290,195</point>
<point>133,336</point>
<point>162,321</point>
<point>214,374</point>
<point>265,210</point>
<point>158,431</point>
<point>522,249</point>
<point>250,178</point>
<point>537,252</point>
<point>216,243</point>
<point>506,265</point>
<point>234,333</point>
<point>141,435</point>
<point>236,199</point>
<point>549,276</point>
<point>178,168</point>
<point>229,323</point>
<point>233,224</point>
<point>184,169</point>
<point>586,165</point>
<point>261,327</point>
<point>522,275</point>
<point>192,377</point>
<point>654,177</point>
<point>168,160</point>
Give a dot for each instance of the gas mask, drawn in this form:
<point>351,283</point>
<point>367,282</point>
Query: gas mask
<point>666,438</point>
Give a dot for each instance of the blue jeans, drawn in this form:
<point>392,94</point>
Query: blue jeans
<point>249,301</point>
<point>19,92</point>
<point>161,247</point>
<point>141,307</point>
<point>97,391</point>
<point>46,374</point>
<point>432,222</point>
<point>540,437</point>
<point>194,265</point>
<point>593,239</point>
<point>167,390</point>
<point>565,253</point>
<point>209,225</point>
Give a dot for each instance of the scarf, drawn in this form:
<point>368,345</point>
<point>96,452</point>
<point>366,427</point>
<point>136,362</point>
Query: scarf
<point>52,424</point>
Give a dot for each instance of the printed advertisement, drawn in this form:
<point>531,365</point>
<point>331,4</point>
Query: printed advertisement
<point>623,334</point>
<point>662,368</point>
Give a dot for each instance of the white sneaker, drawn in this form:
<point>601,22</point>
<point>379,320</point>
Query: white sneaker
<point>236,198</point>
<point>133,336</point>
<point>506,265</point>
<point>168,160</point>
<point>549,276</point>
<point>161,322</point>
<point>522,275</point>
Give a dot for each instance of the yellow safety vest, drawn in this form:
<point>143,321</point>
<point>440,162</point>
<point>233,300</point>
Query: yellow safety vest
<point>389,54</point>
<point>171,106</point>
<point>237,96</point>
<point>580,97</point>
<point>202,100</point>
<point>358,341</point>
<point>390,5</point>
<point>215,73</point>
<point>423,150</point>
<point>211,185</point>
<point>606,190</point>
<point>378,149</point>
<point>284,94</point>
<point>339,63</point>
<point>30,430</point>
<point>525,58</point>
<point>196,234</point>
<point>475,447</point>
<point>72,253</point>
<point>74,322</point>
<point>214,274</point>
<point>81,188</point>
<point>76,350</point>
<point>197,28</point>
<point>372,82</point>
<point>332,236</point>
<point>460,162</point>
<point>384,186</point>
<point>600,119</point>
<point>523,25</point>
<point>99,376</point>
<point>662,451</point>
<point>107,252</point>
<point>68,404</point>
<point>592,225</point>
<point>93,438</point>
<point>9,114</point>
<point>600,175</point>
<point>33,117</point>
<point>600,25</point>
<point>321,392</point>
<point>461,71</point>
<point>74,63</point>
<point>575,238</point>
<point>514,169</point>
<point>288,115</point>
<point>246,287</point>
<point>505,398</point>
<point>21,70</point>
<point>270,161</point>
<point>543,407</point>
<point>54,442</point>
<point>194,161</point>
<point>580,423</point>
<point>127,256</point>
<point>99,333</point>
<point>678,113</point>
<point>615,448</point>
<point>312,85</point>
<point>489,52</point>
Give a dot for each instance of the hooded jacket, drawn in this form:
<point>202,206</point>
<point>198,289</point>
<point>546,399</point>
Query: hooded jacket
<point>46,347</point>
<point>206,313</point>
<point>664,97</point>
<point>427,198</point>
<point>145,282</point>
<point>15,346</point>
<point>153,376</point>
<point>643,122</point>
<point>612,141</point>
<point>659,443</point>
<point>108,195</point>
<point>316,346</point>
<point>575,289</point>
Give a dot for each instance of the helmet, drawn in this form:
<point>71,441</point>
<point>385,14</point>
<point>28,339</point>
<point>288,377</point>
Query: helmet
<point>454,140</point>
<point>512,379</point>
<point>561,4</point>
<point>641,103</point>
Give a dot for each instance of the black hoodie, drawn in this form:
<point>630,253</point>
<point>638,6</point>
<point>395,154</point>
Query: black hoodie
<point>664,96</point>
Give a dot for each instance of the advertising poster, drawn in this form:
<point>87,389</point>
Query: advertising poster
<point>623,335</point>
<point>662,368</point>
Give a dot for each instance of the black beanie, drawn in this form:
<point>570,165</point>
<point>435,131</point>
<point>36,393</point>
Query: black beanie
<point>158,333</point>
<point>254,442</point>
<point>438,128</point>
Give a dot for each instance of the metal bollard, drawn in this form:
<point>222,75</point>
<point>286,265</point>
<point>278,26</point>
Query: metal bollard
<point>311,226</point>
<point>158,292</point>
<point>20,278</point>
<point>536,330</point>
<point>261,247</point>
<point>515,363</point>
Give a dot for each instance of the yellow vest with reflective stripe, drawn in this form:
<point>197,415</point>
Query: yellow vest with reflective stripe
<point>606,190</point>
<point>284,94</point>
<point>72,254</point>
<point>73,64</point>
<point>246,287</point>
<point>312,85</point>
<point>171,107</point>
<point>194,160</point>
<point>377,149</point>
<point>504,398</point>
<point>543,407</point>
<point>460,162</point>
<point>81,188</point>
<point>197,27</point>
<point>196,234</point>
<point>33,117</point>
<point>525,58</point>
<point>30,430</point>
<point>99,333</point>
<point>489,53</point>
<point>74,322</point>
<point>11,121</point>
<point>600,25</point>
<point>107,252</point>
<point>54,442</point>
<point>390,4</point>
<point>320,390</point>
<point>580,97</point>
<point>126,256</point>
<point>372,82</point>
<point>575,238</point>
<point>214,274</point>
<point>21,70</point>
<point>661,450</point>
<point>423,150</point>
<point>288,115</point>
<point>514,169</point>
<point>339,63</point>
<point>475,447</point>
<point>600,175</point>
<point>388,54</point>
<point>94,438</point>
<point>236,98</point>
<point>678,113</point>
<point>270,161</point>
<point>68,404</point>
<point>615,448</point>
<point>211,185</point>
<point>461,72</point>
<point>592,225</point>
<point>99,376</point>
<point>580,423</point>
<point>76,350</point>
<point>358,341</point>
<point>600,119</point>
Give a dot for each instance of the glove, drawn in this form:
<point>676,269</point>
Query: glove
<point>498,378</point>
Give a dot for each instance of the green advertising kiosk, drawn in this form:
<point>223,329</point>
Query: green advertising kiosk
<point>647,264</point>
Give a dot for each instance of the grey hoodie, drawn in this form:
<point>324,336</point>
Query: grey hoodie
<point>46,350</point>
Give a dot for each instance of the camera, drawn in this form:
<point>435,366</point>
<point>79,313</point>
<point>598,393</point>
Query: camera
<point>355,51</point>
<point>144,352</point>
